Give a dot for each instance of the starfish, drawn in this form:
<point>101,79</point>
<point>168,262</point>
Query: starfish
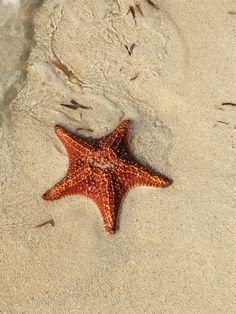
<point>103,170</point>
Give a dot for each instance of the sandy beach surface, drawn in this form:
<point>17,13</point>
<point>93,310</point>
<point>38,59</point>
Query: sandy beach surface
<point>175,248</point>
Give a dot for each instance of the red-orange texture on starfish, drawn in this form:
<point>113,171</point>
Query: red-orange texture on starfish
<point>104,170</point>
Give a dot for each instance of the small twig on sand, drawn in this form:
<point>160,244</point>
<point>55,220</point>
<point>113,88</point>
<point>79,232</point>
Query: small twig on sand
<point>152,4</point>
<point>222,122</point>
<point>74,105</point>
<point>132,10</point>
<point>130,50</point>
<point>139,8</point>
<point>51,222</point>
<point>134,77</point>
<point>70,74</point>
<point>229,104</point>
<point>84,129</point>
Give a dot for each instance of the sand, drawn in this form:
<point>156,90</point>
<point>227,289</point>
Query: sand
<point>175,249</point>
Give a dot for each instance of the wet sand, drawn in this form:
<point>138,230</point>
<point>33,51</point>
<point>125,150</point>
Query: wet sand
<point>174,251</point>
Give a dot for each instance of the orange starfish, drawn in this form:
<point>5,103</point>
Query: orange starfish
<point>103,170</point>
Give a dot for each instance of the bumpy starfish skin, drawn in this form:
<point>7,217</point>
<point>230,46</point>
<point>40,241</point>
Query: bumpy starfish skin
<point>103,170</point>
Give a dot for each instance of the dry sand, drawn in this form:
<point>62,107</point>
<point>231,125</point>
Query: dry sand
<point>175,250</point>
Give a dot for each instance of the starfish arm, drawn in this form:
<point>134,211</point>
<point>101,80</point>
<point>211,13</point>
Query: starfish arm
<point>76,148</point>
<point>101,191</point>
<point>95,184</point>
<point>128,175</point>
<point>120,134</point>
<point>71,184</point>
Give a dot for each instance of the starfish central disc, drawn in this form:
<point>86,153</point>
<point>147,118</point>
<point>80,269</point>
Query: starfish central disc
<point>104,159</point>
<point>103,170</point>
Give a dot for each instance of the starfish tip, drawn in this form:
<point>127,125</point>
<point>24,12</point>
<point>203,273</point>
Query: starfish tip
<point>127,121</point>
<point>167,182</point>
<point>57,128</point>
<point>109,229</point>
<point>44,197</point>
<point>48,196</point>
